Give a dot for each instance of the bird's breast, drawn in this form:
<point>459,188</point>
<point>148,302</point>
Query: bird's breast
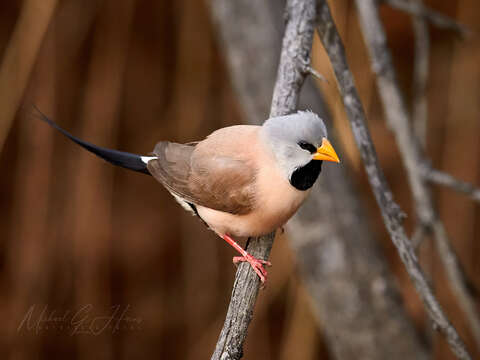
<point>276,201</point>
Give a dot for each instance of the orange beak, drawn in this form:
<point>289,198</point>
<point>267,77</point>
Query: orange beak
<point>326,152</point>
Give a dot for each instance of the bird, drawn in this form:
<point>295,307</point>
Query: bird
<point>241,181</point>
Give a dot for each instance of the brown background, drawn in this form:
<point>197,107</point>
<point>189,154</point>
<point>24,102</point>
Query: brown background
<point>77,232</point>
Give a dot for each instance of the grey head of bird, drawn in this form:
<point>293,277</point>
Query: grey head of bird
<point>299,143</point>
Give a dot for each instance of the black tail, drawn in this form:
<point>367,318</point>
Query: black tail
<point>120,158</point>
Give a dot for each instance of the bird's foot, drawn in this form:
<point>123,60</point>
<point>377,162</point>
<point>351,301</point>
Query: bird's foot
<point>256,264</point>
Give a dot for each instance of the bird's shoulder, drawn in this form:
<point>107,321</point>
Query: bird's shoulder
<point>234,141</point>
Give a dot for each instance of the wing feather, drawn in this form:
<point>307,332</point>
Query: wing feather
<point>214,180</point>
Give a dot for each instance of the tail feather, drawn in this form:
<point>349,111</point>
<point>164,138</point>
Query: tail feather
<point>120,158</point>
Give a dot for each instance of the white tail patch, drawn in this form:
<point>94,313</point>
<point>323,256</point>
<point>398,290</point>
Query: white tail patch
<point>146,159</point>
<point>183,203</point>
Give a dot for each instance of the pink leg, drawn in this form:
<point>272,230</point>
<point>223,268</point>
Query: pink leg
<point>256,264</point>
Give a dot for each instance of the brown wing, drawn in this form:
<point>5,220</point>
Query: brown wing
<point>214,181</point>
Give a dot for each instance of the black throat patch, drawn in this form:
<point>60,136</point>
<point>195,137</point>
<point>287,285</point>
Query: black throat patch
<point>304,177</point>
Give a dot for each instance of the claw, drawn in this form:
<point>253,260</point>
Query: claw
<point>256,264</point>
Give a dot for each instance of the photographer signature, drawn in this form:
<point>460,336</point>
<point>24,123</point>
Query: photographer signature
<point>81,321</point>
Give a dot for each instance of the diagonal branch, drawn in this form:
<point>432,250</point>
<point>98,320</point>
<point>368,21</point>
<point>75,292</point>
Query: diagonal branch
<point>391,212</point>
<point>434,17</point>
<point>445,179</point>
<point>418,235</point>
<point>296,46</point>
<point>412,155</point>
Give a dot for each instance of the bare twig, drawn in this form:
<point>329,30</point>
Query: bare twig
<point>420,116</point>
<point>461,286</point>
<point>412,155</point>
<point>296,46</point>
<point>315,74</point>
<point>420,121</point>
<point>418,235</point>
<point>353,295</point>
<point>434,17</point>
<point>391,212</point>
<point>420,76</point>
<point>442,178</point>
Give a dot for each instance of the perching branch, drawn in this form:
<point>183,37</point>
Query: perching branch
<point>296,46</point>
<point>353,295</point>
<point>413,157</point>
<point>432,16</point>
<point>391,212</point>
<point>297,43</point>
<point>442,178</point>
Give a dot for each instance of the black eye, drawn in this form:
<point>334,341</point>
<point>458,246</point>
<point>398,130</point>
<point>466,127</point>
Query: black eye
<point>307,146</point>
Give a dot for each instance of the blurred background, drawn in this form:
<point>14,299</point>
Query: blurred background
<point>100,262</point>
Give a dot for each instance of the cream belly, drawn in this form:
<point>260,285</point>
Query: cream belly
<point>277,201</point>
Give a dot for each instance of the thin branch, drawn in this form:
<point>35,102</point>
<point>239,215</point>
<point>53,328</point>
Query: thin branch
<point>412,155</point>
<point>445,179</point>
<point>296,46</point>
<point>391,212</point>
<point>315,74</point>
<point>420,106</point>
<point>434,17</point>
<point>461,286</point>
<point>420,76</point>
<point>418,235</point>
